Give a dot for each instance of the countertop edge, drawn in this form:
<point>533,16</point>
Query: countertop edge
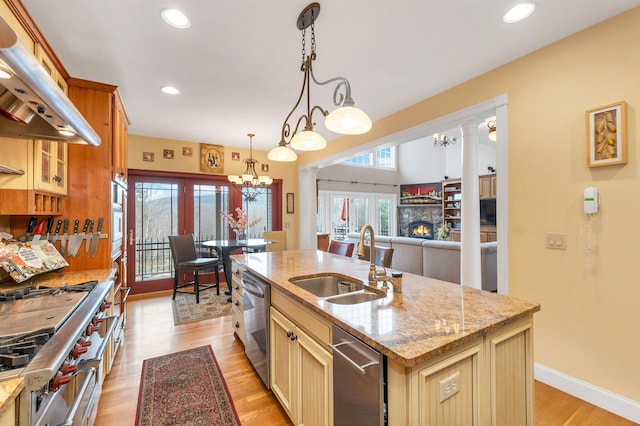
<point>9,391</point>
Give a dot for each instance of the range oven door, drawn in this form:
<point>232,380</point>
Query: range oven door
<point>75,404</point>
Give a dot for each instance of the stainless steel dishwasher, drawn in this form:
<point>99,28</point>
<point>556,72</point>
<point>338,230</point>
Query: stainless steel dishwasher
<point>257,299</point>
<point>358,382</point>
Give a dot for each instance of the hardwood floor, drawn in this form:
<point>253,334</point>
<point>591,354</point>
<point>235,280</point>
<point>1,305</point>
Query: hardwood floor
<point>150,332</point>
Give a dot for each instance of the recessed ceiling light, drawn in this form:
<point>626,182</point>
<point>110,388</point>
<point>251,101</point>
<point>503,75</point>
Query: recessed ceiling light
<point>175,18</point>
<point>170,90</point>
<point>519,12</point>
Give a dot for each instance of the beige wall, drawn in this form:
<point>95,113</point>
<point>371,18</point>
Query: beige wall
<point>288,172</point>
<point>588,325</point>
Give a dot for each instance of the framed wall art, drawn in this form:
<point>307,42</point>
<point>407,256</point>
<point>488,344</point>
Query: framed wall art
<point>148,156</point>
<point>168,153</point>
<point>211,158</point>
<point>187,151</point>
<point>235,156</point>
<point>421,193</point>
<point>290,203</point>
<point>607,135</point>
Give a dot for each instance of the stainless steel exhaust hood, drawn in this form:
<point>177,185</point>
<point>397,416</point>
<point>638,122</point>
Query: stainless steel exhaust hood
<point>32,106</point>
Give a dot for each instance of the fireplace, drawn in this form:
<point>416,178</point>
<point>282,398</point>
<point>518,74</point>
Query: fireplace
<point>421,229</point>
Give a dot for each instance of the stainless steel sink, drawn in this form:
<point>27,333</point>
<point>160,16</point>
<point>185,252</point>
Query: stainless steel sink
<point>327,284</point>
<point>353,298</point>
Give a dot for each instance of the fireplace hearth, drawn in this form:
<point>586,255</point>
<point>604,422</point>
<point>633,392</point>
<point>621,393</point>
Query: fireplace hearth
<point>421,229</point>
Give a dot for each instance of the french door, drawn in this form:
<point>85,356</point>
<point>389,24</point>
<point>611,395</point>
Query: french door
<point>160,205</point>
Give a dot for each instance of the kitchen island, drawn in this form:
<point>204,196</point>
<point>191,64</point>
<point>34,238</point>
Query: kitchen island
<point>429,332</point>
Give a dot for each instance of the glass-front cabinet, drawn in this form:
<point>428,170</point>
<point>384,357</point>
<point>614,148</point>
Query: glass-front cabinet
<point>50,166</point>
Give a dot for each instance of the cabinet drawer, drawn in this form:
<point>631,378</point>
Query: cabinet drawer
<point>237,301</point>
<point>237,323</point>
<point>317,327</point>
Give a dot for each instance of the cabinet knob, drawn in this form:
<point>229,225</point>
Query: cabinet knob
<point>237,287</point>
<point>237,303</point>
<point>237,325</point>
<point>293,337</point>
<point>289,334</point>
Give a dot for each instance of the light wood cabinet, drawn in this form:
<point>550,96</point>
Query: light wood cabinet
<point>50,157</point>
<point>487,186</point>
<point>50,166</point>
<point>493,376</point>
<point>237,302</point>
<point>433,407</point>
<point>301,371</point>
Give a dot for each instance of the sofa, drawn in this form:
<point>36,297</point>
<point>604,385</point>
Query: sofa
<point>434,258</point>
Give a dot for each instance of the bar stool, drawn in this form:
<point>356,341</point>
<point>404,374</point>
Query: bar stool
<point>183,251</point>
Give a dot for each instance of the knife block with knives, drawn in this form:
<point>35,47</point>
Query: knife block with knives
<point>70,242</point>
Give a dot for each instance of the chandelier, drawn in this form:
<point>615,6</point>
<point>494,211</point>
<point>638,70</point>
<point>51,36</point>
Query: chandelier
<point>249,184</point>
<point>346,119</point>
<point>443,140</point>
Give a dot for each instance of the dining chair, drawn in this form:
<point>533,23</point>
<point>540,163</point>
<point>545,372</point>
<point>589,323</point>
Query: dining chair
<point>382,255</point>
<point>340,247</point>
<point>185,259</point>
<point>278,239</point>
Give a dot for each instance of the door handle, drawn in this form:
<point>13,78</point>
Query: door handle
<point>131,238</point>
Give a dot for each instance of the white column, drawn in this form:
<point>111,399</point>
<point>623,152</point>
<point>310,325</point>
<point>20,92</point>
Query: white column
<point>470,261</point>
<point>308,211</point>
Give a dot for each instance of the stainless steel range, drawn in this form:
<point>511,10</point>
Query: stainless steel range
<point>55,339</point>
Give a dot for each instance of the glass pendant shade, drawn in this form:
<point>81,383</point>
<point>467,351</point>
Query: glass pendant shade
<point>348,120</point>
<point>308,140</point>
<point>282,153</point>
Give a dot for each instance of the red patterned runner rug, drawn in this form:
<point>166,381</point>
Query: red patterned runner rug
<point>184,388</point>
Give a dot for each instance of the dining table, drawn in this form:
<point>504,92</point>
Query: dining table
<point>224,248</point>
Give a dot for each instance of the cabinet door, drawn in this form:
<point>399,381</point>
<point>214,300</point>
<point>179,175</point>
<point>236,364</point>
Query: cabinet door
<point>120,143</point>
<point>432,404</point>
<point>50,166</point>
<point>511,376</point>
<point>281,360</point>
<point>485,187</point>
<point>314,406</point>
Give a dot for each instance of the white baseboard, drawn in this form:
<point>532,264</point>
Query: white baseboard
<point>623,407</point>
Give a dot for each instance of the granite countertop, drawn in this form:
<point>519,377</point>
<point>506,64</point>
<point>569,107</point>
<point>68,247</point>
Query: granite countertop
<point>59,279</point>
<point>430,317</point>
<point>9,391</point>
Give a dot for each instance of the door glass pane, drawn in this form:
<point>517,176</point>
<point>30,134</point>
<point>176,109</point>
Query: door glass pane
<point>384,217</point>
<point>156,216</point>
<point>360,214</point>
<point>340,215</point>
<point>260,210</point>
<point>208,202</point>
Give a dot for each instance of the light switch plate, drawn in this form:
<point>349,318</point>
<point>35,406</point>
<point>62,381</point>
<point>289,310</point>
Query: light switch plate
<point>556,241</point>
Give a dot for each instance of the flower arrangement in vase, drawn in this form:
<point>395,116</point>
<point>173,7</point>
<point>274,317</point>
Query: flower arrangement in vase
<point>240,223</point>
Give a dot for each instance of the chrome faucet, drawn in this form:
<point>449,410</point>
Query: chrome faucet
<point>374,273</point>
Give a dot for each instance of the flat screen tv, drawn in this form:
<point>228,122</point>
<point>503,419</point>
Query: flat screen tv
<point>488,212</point>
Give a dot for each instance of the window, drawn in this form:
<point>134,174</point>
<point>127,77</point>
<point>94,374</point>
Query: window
<point>342,212</point>
<point>383,158</point>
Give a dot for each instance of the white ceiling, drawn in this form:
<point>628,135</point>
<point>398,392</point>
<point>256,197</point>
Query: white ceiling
<point>238,65</point>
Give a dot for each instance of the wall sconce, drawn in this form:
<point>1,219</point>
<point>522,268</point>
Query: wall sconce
<point>491,125</point>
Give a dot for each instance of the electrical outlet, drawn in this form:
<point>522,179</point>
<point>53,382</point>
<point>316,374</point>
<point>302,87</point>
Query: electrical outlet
<point>449,386</point>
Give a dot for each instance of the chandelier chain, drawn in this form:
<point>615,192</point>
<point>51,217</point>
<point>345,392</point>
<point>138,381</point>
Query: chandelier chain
<point>304,48</point>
